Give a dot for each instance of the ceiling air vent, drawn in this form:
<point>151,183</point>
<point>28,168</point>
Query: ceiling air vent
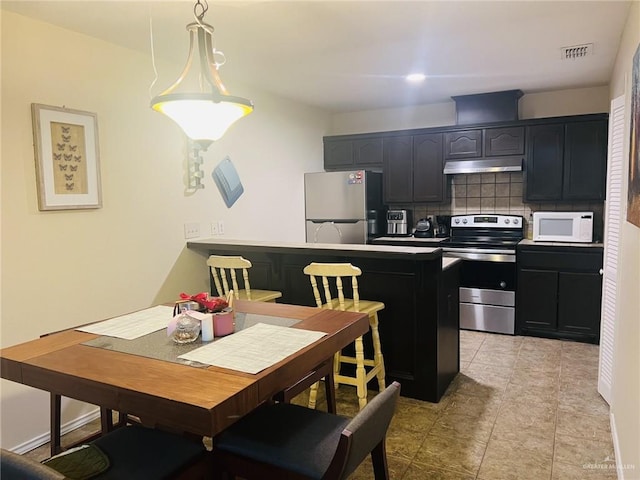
<point>577,51</point>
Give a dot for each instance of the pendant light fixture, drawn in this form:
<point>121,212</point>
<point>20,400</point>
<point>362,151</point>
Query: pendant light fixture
<point>206,112</point>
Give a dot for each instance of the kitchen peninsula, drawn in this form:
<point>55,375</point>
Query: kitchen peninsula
<point>419,325</point>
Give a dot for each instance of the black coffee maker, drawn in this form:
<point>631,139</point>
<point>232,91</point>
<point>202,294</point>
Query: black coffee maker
<point>443,226</point>
<point>424,228</point>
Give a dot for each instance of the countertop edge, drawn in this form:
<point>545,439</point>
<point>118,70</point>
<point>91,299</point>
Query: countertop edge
<point>448,262</point>
<point>532,243</point>
<point>362,250</point>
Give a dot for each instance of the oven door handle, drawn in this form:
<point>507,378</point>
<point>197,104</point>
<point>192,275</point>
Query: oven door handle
<point>487,255</point>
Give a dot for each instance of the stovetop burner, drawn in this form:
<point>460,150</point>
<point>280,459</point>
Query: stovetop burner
<point>484,237</point>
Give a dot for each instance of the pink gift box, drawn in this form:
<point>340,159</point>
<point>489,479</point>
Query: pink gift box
<point>224,323</point>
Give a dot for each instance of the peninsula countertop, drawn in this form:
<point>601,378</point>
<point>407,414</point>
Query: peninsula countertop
<point>418,285</point>
<point>367,250</point>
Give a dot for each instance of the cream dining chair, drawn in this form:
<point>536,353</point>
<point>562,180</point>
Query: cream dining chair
<point>225,271</point>
<point>336,272</point>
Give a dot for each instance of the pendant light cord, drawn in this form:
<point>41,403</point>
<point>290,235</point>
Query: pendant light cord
<point>203,7</point>
<point>153,58</point>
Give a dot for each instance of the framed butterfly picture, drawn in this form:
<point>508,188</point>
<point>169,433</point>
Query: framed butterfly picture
<point>67,158</point>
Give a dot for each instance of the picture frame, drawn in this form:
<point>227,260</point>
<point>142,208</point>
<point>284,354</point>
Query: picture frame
<point>633,195</point>
<point>67,158</point>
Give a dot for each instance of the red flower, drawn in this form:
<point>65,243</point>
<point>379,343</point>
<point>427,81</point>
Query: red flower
<point>210,304</point>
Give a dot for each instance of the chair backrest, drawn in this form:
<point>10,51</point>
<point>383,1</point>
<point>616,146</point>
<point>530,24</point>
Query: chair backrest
<point>223,271</point>
<point>365,432</point>
<point>336,272</point>
<point>17,467</point>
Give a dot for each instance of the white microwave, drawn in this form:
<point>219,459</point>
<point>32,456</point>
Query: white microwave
<point>563,227</point>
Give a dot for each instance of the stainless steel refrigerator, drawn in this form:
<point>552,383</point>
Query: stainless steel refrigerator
<point>343,207</point>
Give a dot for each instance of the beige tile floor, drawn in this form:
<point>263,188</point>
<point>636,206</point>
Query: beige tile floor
<point>522,408</point>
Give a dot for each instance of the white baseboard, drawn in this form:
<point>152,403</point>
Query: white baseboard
<point>616,447</point>
<point>40,440</point>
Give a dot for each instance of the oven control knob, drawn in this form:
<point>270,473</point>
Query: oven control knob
<point>506,220</point>
<point>457,220</point>
<point>503,284</point>
<point>515,221</point>
<point>464,220</point>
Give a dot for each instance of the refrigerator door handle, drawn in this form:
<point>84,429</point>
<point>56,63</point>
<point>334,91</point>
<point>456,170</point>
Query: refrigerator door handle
<point>350,221</point>
<point>322,225</point>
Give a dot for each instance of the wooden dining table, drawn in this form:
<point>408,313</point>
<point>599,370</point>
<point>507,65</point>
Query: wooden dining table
<point>197,400</point>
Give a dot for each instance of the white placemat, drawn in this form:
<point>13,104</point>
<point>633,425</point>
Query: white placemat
<point>133,325</point>
<point>255,348</point>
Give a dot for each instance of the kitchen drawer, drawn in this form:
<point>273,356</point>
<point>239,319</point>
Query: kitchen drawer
<point>490,297</point>
<point>584,261</point>
<point>487,318</point>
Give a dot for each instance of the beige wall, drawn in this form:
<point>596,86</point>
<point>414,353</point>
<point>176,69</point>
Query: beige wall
<point>65,268</point>
<point>625,406</point>
<point>557,103</point>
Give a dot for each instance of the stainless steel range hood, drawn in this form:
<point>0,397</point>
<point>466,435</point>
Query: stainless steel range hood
<point>484,165</point>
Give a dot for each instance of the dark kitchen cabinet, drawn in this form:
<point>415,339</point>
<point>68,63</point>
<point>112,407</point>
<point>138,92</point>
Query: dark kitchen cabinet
<point>565,157</point>
<point>535,285</point>
<point>352,153</point>
<point>543,163</point>
<point>463,144</point>
<point>429,183</point>
<point>566,161</point>
<point>487,142</point>
<point>585,161</point>
<point>503,141</point>
<point>419,324</point>
<point>397,171</point>
<point>559,292</point>
<point>413,169</point>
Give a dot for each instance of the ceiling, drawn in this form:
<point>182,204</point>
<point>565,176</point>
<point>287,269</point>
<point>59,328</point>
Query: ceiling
<point>352,55</point>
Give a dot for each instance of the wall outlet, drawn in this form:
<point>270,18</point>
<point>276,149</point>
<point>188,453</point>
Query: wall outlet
<point>220,227</point>
<point>191,230</point>
<point>214,228</point>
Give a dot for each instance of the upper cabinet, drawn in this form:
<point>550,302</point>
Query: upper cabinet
<point>463,144</point>
<point>565,158</point>
<point>429,181</point>
<point>585,161</point>
<point>397,173</point>
<point>352,153</point>
<point>543,166</point>
<point>503,141</point>
<point>484,142</point>
<point>413,166</point>
<point>566,161</point>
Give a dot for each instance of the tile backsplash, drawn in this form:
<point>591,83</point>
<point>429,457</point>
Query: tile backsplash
<point>500,193</point>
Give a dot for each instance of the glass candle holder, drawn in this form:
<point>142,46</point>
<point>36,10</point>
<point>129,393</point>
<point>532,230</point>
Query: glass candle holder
<point>187,329</point>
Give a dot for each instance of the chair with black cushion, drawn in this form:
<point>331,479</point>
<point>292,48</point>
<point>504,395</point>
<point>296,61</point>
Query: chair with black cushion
<point>225,271</point>
<point>129,452</point>
<point>106,423</point>
<point>328,280</point>
<point>324,370</point>
<point>284,441</point>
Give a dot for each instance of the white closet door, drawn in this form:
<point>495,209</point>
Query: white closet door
<point>612,224</point>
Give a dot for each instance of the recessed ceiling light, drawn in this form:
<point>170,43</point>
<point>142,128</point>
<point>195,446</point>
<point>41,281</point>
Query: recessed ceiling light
<point>415,77</point>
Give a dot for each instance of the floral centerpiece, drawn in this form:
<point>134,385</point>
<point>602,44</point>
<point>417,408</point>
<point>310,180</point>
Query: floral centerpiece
<point>223,318</point>
<point>207,304</point>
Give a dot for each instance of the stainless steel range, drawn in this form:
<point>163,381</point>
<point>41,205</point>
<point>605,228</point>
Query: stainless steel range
<point>487,245</point>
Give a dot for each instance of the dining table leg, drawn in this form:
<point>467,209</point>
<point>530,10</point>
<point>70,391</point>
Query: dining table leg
<point>56,406</point>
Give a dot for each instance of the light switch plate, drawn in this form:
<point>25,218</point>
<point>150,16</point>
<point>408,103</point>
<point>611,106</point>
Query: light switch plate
<point>191,230</point>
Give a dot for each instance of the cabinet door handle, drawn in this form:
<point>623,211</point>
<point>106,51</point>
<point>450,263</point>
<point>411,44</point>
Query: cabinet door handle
<point>601,271</point>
